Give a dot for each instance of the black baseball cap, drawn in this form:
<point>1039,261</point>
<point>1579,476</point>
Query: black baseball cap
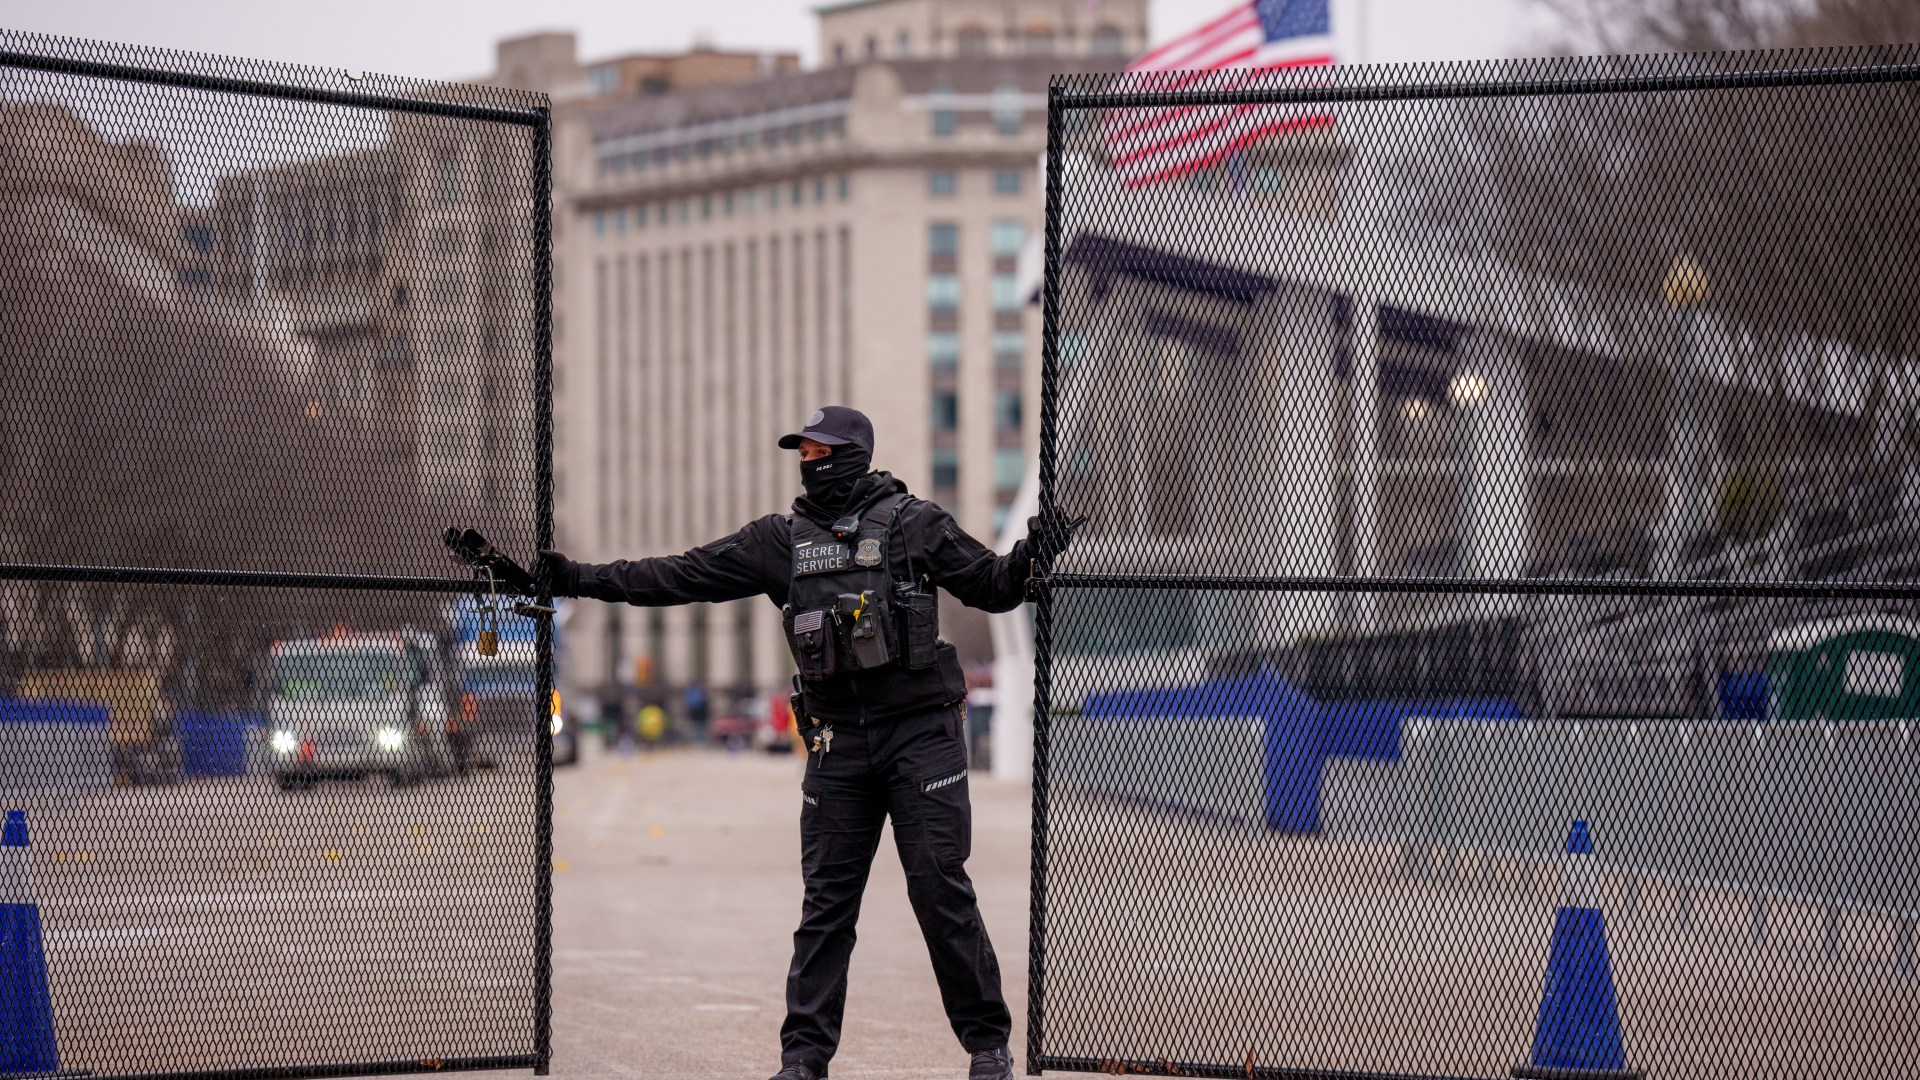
<point>834,425</point>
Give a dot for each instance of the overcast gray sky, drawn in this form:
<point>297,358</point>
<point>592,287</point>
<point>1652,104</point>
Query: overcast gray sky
<point>448,39</point>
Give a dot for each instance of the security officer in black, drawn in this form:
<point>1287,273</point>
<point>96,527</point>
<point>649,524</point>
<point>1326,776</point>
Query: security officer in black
<point>855,568</point>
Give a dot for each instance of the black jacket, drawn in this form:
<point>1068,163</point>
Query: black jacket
<point>758,561</point>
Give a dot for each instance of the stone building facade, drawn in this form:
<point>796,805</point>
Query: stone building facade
<point>730,257</point>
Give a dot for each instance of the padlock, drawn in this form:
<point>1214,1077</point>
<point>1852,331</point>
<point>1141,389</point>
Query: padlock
<point>488,643</point>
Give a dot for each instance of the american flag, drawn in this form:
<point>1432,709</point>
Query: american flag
<point>1147,145</point>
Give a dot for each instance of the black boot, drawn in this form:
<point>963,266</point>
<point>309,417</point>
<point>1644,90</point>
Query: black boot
<point>992,1065</point>
<point>798,1072</point>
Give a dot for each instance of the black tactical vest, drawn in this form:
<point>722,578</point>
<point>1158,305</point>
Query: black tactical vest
<point>855,603</point>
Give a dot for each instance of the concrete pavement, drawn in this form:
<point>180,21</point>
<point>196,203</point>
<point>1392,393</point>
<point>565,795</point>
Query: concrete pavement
<point>676,892</point>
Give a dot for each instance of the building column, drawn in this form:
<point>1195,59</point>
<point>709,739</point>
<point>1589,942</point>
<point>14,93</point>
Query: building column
<point>1693,451</point>
<point>674,667</point>
<point>1489,392</point>
<point>1364,345</point>
<point>1288,485</point>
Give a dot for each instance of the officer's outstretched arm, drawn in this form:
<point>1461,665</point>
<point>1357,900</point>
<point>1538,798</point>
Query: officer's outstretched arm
<point>751,562</point>
<point>964,566</point>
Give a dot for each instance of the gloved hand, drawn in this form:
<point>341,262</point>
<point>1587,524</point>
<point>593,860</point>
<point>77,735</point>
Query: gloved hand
<point>1050,533</point>
<point>559,571</point>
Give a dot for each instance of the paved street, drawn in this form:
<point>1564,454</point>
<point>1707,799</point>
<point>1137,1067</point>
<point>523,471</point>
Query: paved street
<point>678,891</point>
<point>229,924</point>
<point>677,888</point>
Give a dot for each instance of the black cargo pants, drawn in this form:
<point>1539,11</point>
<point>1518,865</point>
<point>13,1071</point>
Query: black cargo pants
<point>913,770</point>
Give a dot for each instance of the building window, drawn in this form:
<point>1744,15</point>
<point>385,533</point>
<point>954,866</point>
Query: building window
<point>971,41</point>
<point>820,190</point>
<point>904,44</point>
<point>604,79</point>
<point>873,48</point>
<point>1009,350</point>
<point>706,207</point>
<point>1008,110</point>
<point>1006,293</point>
<point>846,187</point>
<point>943,238</point>
<point>839,52</point>
<point>1009,465</point>
<point>620,221</point>
<point>1039,41</point>
<point>945,120</point>
<point>1070,348</point>
<point>450,178</point>
<point>946,411</point>
<point>773,197</point>
<point>599,224</point>
<point>726,204</point>
<point>1006,410</point>
<point>753,199</point>
<point>946,469</point>
<point>943,293</point>
<point>1006,181</point>
<point>1008,238</point>
<point>943,350</point>
<point>940,182</point>
<point>799,193</point>
<point>1108,40</point>
<point>639,217</point>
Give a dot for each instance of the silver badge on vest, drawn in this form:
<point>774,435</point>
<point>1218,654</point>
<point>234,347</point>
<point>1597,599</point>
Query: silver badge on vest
<point>868,553</point>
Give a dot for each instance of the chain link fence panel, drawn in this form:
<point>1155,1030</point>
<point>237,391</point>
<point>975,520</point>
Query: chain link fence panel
<point>265,333</point>
<point>1492,648</point>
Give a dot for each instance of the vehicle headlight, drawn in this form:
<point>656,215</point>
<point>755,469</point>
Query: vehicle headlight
<point>559,723</point>
<point>285,742</point>
<point>390,738</point>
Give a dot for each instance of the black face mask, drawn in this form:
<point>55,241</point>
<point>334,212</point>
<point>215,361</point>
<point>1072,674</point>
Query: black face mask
<point>829,481</point>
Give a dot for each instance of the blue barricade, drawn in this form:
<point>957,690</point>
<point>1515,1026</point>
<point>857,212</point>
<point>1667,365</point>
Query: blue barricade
<point>1743,695</point>
<point>213,744</point>
<point>74,713</point>
<point>1371,729</point>
<point>1292,754</point>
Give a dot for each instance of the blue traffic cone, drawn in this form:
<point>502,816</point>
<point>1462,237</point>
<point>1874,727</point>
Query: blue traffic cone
<point>27,1047</point>
<point>1577,1035</point>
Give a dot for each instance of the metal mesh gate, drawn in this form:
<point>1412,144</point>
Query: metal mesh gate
<point>265,333</point>
<point>1493,644</point>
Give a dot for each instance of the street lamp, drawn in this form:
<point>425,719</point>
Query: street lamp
<point>1685,286</point>
<point>1466,389</point>
<point>1686,290</point>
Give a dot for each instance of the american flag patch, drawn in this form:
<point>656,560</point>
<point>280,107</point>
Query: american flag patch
<point>808,622</point>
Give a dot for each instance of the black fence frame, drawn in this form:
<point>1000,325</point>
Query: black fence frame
<point>1042,588</point>
<point>539,120</point>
